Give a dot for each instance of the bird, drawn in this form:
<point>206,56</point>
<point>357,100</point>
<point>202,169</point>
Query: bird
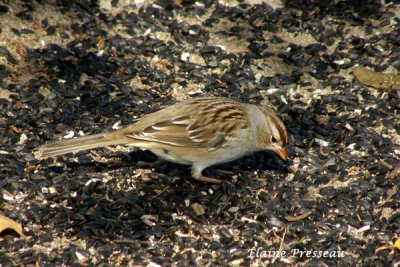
<point>200,132</point>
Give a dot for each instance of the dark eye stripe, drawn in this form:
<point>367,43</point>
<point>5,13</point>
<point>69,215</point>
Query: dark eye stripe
<point>281,129</point>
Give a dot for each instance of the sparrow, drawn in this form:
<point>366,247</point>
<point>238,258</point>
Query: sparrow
<point>200,132</point>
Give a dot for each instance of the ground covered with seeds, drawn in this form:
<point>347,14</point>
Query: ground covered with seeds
<point>69,68</point>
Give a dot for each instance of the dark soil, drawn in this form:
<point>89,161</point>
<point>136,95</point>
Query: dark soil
<point>69,68</point>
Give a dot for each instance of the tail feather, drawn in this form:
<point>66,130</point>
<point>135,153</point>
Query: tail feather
<point>76,145</point>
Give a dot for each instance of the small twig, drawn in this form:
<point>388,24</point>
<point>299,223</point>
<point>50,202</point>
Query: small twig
<point>299,217</point>
<point>280,245</point>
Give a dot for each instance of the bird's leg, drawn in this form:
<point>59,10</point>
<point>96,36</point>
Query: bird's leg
<point>196,173</point>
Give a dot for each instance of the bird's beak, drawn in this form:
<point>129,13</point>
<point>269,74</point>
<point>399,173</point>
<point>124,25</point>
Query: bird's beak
<point>281,152</point>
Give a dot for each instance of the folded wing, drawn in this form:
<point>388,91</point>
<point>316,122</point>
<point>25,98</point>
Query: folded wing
<point>209,124</point>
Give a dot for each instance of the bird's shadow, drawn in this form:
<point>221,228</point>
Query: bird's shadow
<point>170,191</point>
<point>260,161</point>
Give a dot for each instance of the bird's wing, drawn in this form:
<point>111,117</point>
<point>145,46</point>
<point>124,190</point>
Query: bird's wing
<point>208,123</point>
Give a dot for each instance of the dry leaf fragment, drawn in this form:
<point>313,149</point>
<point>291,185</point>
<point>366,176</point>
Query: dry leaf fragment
<point>7,223</point>
<point>377,79</point>
<point>395,245</point>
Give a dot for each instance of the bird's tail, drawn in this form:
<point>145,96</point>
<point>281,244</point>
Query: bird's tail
<point>76,145</point>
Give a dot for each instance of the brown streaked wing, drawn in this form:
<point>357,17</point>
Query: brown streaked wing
<point>167,132</point>
<point>216,119</point>
<point>210,121</point>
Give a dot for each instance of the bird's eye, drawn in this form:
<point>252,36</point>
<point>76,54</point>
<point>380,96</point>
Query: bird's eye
<point>273,139</point>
